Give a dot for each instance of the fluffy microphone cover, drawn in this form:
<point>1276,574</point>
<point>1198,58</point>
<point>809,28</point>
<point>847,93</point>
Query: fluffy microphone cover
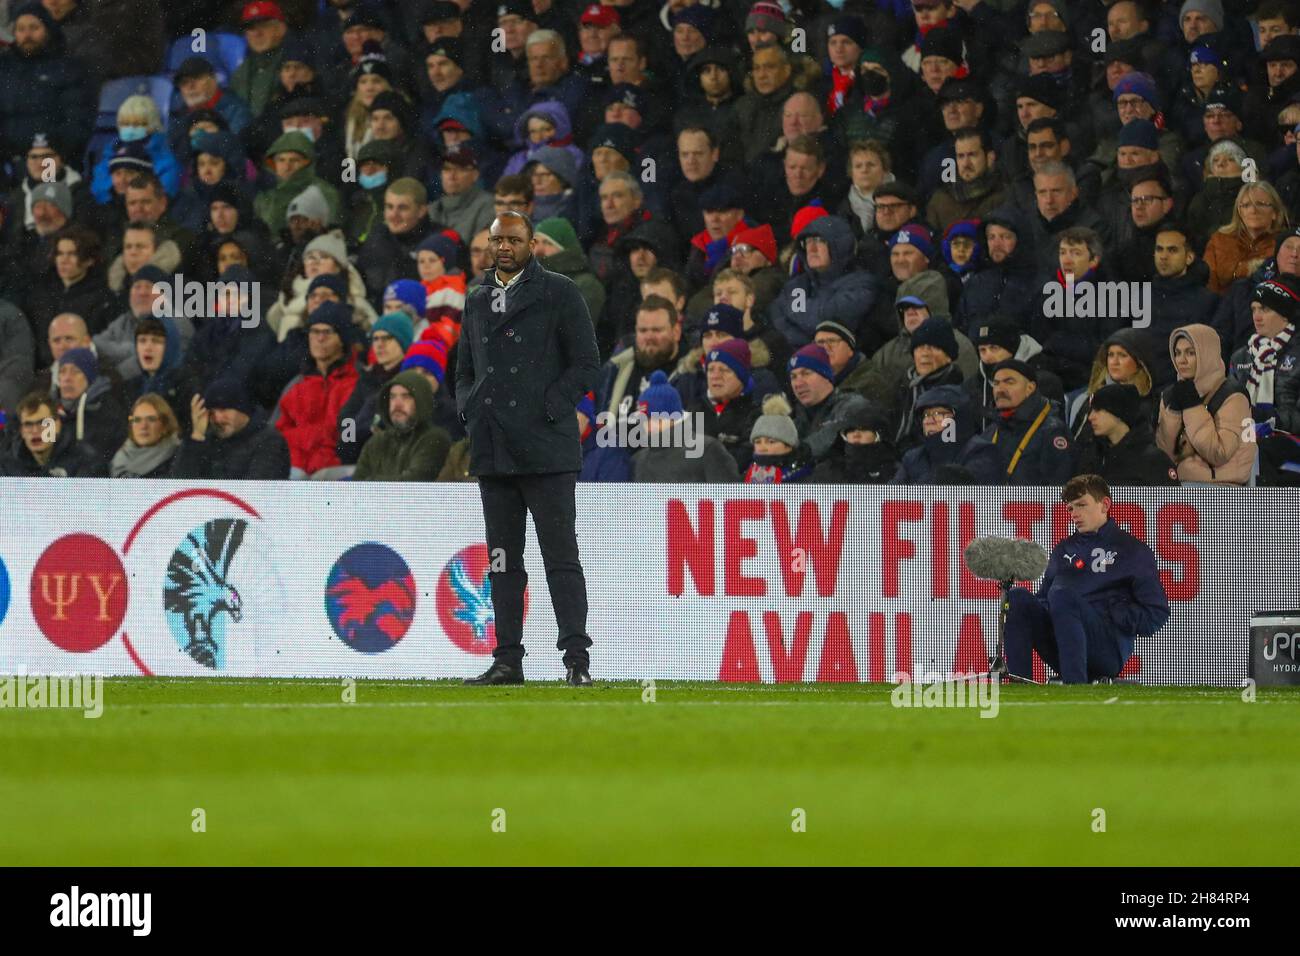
<point>1005,559</point>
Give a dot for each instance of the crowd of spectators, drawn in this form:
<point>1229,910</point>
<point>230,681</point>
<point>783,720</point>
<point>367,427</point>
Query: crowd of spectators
<point>862,241</point>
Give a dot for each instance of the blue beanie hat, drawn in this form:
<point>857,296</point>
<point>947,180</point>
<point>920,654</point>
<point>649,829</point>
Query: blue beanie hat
<point>334,281</point>
<point>83,359</point>
<point>814,358</point>
<point>228,393</point>
<point>408,292</point>
<point>399,326</point>
<point>659,397</point>
<point>724,318</point>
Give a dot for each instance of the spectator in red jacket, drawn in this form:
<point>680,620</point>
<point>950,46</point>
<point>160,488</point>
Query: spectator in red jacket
<point>308,412</point>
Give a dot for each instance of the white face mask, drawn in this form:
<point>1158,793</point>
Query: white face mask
<point>305,130</point>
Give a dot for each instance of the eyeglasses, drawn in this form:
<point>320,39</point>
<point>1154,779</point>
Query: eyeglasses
<point>377,337</point>
<point>891,206</point>
<point>1250,204</point>
<point>144,419</point>
<point>37,425</point>
<point>1129,102</point>
<point>1146,200</point>
<point>935,415</point>
<point>741,249</point>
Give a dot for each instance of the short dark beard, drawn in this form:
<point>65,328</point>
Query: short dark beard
<point>652,360</point>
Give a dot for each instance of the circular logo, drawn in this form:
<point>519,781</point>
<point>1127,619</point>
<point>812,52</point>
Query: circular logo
<point>79,593</point>
<point>370,597</point>
<point>464,599</point>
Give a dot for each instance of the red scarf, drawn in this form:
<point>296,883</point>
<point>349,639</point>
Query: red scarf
<point>841,83</point>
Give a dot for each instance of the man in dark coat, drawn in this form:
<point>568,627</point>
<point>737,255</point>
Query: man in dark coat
<point>527,355</point>
<point>1006,285</point>
<point>48,449</point>
<point>1032,444</point>
<point>1101,590</point>
<point>240,444</point>
<point>1122,448</point>
<point>42,88</point>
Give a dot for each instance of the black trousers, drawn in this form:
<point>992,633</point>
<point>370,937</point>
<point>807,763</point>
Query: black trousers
<point>552,499</point>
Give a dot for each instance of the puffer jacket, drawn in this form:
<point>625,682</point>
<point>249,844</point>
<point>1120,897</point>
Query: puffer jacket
<point>832,294</point>
<point>1208,447</point>
<point>308,414</point>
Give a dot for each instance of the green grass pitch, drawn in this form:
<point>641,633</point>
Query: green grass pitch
<point>413,773</point>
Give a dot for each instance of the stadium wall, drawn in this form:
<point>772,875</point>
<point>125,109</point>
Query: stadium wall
<point>686,582</point>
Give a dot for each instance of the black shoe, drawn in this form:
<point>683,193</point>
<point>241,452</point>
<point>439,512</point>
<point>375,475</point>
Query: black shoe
<point>576,674</point>
<point>498,673</point>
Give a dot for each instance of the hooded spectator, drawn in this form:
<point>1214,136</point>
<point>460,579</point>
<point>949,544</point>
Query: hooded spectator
<point>920,297</point>
<point>294,157</point>
<point>948,426</point>
<point>1005,283</point>
<point>827,289</point>
<point>407,445</point>
<point>1202,414</point>
<point>862,453</point>
<point>88,404</point>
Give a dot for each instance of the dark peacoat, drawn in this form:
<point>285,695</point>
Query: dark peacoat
<point>527,355</point>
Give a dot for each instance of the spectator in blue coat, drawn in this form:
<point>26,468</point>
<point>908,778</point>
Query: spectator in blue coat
<point>826,290</point>
<point>138,121</point>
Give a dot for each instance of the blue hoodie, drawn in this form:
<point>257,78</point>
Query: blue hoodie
<point>173,356</point>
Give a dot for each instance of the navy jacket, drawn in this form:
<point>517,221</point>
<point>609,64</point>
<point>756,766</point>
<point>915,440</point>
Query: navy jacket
<point>1047,459</point>
<point>1116,574</point>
